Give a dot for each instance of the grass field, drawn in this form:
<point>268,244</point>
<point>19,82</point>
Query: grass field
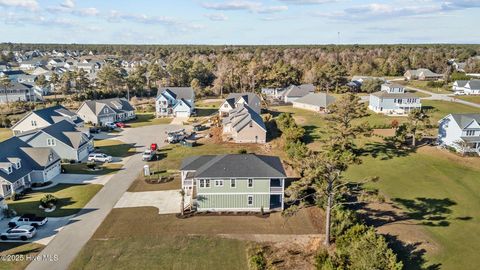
<point>423,85</point>
<point>147,119</point>
<point>440,192</point>
<point>124,242</point>
<point>114,148</point>
<point>5,133</point>
<point>71,199</point>
<point>439,109</point>
<point>474,99</point>
<point>18,249</point>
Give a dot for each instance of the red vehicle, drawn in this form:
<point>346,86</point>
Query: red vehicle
<point>154,147</point>
<point>120,124</point>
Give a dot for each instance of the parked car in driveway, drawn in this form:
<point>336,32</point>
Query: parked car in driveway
<point>99,157</point>
<point>111,125</point>
<point>27,219</point>
<point>94,130</point>
<point>148,155</point>
<point>120,125</point>
<point>23,232</point>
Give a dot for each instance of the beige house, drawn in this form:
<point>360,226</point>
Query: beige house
<point>243,125</point>
<point>43,118</point>
<point>100,112</point>
<point>233,100</point>
<point>422,74</point>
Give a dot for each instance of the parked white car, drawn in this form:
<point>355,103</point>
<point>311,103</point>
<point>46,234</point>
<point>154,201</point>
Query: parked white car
<point>23,232</point>
<point>111,125</point>
<point>148,155</point>
<point>99,157</point>
<point>27,219</point>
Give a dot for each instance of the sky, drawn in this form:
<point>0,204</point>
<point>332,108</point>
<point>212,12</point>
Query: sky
<point>232,22</point>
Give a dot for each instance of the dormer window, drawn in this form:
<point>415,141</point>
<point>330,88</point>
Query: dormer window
<point>50,142</point>
<point>50,157</point>
<point>18,165</point>
<point>9,170</point>
<point>34,123</point>
<point>470,132</point>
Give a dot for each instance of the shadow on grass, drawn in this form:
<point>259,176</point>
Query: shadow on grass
<point>429,211</point>
<point>203,112</point>
<point>384,150</point>
<point>312,133</point>
<point>118,150</point>
<point>8,246</point>
<point>412,256</point>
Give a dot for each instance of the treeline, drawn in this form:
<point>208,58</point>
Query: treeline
<point>224,69</point>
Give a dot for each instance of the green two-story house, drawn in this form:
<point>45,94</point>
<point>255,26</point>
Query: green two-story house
<point>243,182</point>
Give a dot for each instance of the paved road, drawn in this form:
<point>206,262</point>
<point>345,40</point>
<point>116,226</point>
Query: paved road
<point>444,97</point>
<point>70,240</point>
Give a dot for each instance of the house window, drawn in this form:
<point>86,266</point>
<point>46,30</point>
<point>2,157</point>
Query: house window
<point>251,124</point>
<point>225,105</point>
<point>34,123</point>
<point>202,183</point>
<point>233,183</point>
<point>207,183</point>
<point>219,183</point>
<point>250,200</point>
<point>10,170</point>
<point>105,110</point>
<point>470,132</point>
<point>250,183</point>
<point>19,165</point>
<point>50,142</point>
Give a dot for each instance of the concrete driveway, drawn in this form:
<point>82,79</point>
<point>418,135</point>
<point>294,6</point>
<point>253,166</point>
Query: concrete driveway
<point>45,234</point>
<point>167,202</point>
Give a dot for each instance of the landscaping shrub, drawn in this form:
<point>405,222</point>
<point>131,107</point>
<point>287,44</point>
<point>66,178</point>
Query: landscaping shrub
<point>242,151</point>
<point>256,258</point>
<point>91,165</point>
<point>323,261</point>
<point>438,84</point>
<point>48,201</point>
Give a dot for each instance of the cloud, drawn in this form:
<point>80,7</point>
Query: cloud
<point>16,19</point>
<point>217,17</point>
<point>172,23</point>
<point>86,12</point>
<point>26,4</point>
<point>308,2</point>
<point>460,4</point>
<point>254,7</point>
<point>68,4</point>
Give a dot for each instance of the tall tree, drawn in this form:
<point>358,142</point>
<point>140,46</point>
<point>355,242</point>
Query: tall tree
<point>5,83</point>
<point>110,79</point>
<point>415,127</point>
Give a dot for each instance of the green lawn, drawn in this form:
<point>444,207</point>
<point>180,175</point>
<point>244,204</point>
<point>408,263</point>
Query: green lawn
<point>81,168</point>
<point>474,99</point>
<point>5,133</point>
<point>439,109</point>
<point>147,119</point>
<point>20,250</point>
<point>423,85</point>
<point>114,148</point>
<point>71,199</point>
<point>162,252</point>
<point>440,191</point>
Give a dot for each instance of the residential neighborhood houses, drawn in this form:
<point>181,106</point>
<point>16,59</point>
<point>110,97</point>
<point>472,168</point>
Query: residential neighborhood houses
<point>101,112</point>
<point>392,99</point>
<point>175,102</point>
<point>317,102</point>
<point>244,125</point>
<point>288,94</point>
<point>242,182</point>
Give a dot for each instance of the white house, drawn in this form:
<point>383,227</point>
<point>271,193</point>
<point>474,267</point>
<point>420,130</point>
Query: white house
<point>459,86</point>
<point>472,87</point>
<point>175,102</point>
<point>460,131</point>
<point>392,99</point>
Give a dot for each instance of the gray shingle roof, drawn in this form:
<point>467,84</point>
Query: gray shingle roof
<point>119,105</point>
<point>474,84</point>
<point>299,90</point>
<point>31,158</point>
<point>384,94</point>
<point>465,119</point>
<point>317,99</point>
<point>67,133</point>
<point>178,92</point>
<point>241,116</point>
<point>235,166</point>
<point>252,100</point>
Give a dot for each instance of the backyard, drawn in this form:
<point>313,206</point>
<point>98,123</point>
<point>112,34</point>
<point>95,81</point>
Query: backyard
<point>439,192</point>
<point>424,86</point>
<point>192,243</point>
<point>71,199</point>
<point>474,99</point>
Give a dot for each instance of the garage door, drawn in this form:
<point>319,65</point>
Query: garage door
<point>83,154</point>
<point>182,114</point>
<point>52,172</point>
